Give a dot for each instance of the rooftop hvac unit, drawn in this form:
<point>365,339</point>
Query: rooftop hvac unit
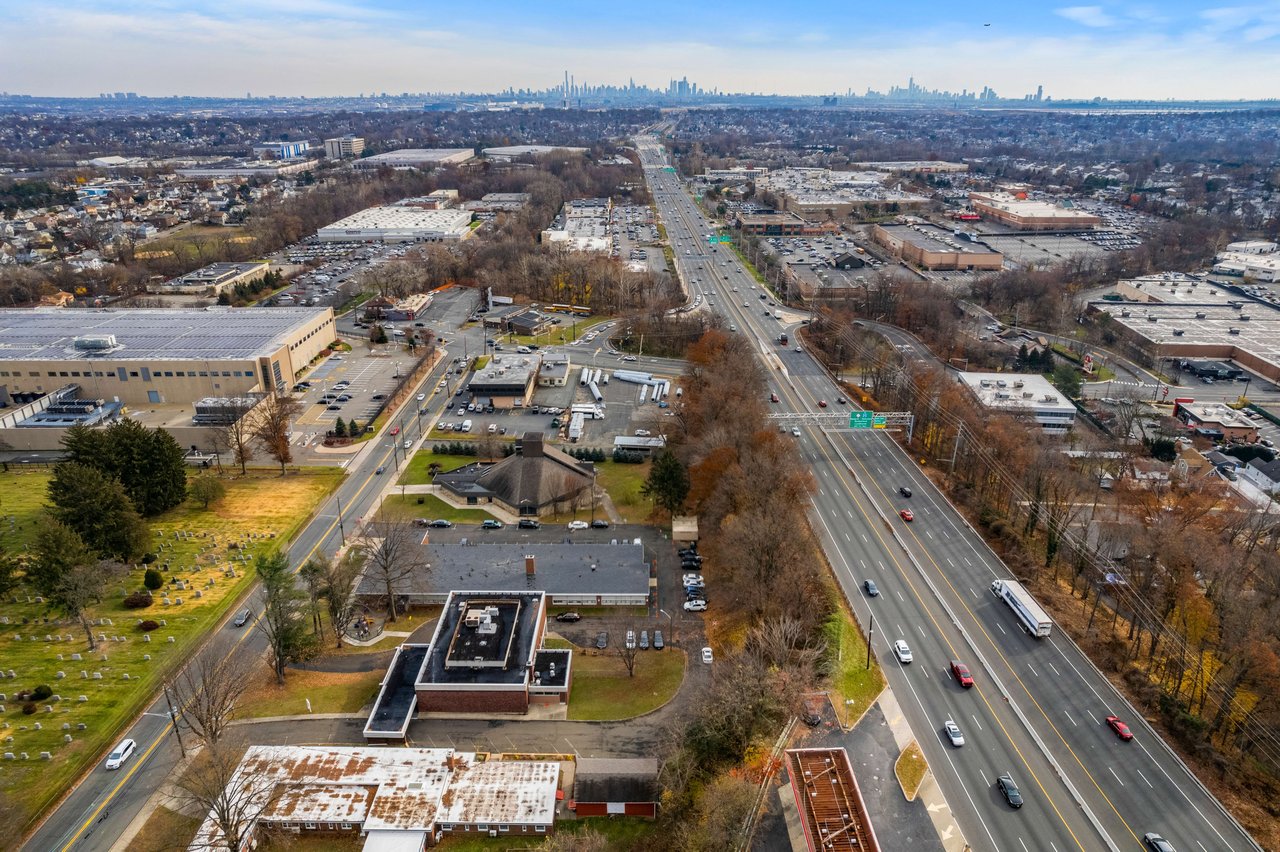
<point>1244,318</point>
<point>1124,313</point>
<point>1200,315</point>
<point>1177,332</point>
<point>1233,331</point>
<point>1152,319</point>
<point>94,343</point>
<point>1049,398</point>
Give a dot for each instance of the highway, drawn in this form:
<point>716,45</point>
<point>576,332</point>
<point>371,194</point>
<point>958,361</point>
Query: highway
<point>1038,706</point>
<point>100,808</point>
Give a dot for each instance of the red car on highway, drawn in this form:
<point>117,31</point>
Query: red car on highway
<point>1121,729</point>
<point>907,515</point>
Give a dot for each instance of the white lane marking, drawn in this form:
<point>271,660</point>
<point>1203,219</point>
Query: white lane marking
<point>922,633</point>
<point>1033,670</point>
<point>900,597</point>
<point>972,592</point>
<point>1143,777</point>
<point>850,514</point>
<point>985,780</point>
<point>926,672</point>
<point>975,721</point>
<point>1072,718</point>
<point>1055,670</point>
<point>1115,776</point>
<point>928,533</point>
<point>846,538</point>
<point>1002,630</point>
<point>1024,846</point>
<point>863,536</point>
<point>967,562</point>
<point>863,563</point>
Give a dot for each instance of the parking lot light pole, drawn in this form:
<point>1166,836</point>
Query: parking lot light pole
<point>671,625</point>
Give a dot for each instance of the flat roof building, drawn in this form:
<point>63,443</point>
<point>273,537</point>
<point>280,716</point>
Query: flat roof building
<point>508,152</point>
<point>770,224</point>
<point>343,147</point>
<point>398,798</point>
<point>213,278</point>
<point>415,158</point>
<point>147,356</point>
<point>832,811</point>
<point>826,193</point>
<point>399,224</point>
<point>1216,421</point>
<point>507,381</point>
<point>931,247</point>
<point>1024,214</point>
<point>1023,394</point>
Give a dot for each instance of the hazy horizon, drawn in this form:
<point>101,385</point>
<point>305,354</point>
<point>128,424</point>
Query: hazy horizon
<point>1174,50</point>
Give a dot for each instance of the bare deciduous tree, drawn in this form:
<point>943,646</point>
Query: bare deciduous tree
<point>270,426</point>
<point>627,654</point>
<point>339,586</point>
<point>230,799</point>
<point>208,690</point>
<point>392,553</point>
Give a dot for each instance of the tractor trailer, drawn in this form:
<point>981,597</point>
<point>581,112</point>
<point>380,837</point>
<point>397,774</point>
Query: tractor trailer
<point>1033,617</point>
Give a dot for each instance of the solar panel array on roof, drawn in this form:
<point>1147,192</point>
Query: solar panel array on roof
<point>205,334</point>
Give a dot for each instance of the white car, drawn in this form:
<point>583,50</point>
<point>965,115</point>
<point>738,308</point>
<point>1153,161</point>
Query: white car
<point>642,433</point>
<point>120,754</point>
<point>421,397</point>
<point>902,651</point>
<point>631,639</point>
<point>707,656</point>
<point>695,606</point>
<point>953,733</point>
<point>578,525</point>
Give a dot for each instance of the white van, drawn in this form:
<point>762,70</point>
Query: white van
<point>493,428</point>
<point>466,425</point>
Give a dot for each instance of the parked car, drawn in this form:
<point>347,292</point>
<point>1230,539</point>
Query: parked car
<point>953,733</point>
<point>529,524</point>
<point>1121,729</point>
<point>1009,790</point>
<point>600,525</point>
<point>902,651</point>
<point>602,640</point>
<point>695,606</point>
<point>644,640</point>
<point>707,656</point>
<point>441,523</point>
<point>579,525</point>
<point>120,753</point>
<point>491,524</point>
<point>658,644</point>
<point>631,639</point>
<point>569,617</point>
<point>869,586</point>
<point>242,617</point>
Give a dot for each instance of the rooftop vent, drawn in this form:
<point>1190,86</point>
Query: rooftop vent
<point>95,343</point>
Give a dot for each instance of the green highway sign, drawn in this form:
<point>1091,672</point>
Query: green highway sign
<point>867,420</point>
<point>719,238</point>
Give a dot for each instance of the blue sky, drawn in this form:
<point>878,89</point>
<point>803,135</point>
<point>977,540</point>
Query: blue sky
<point>1169,49</point>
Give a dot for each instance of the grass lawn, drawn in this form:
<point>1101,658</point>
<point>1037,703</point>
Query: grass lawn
<point>165,830</point>
<point>619,832</point>
<point>416,471</point>
<point>602,691</point>
<point>910,770</point>
<point>330,692</point>
<point>260,512</point>
<point>623,483</point>
<point>408,506</point>
<point>22,500</point>
<point>854,686</point>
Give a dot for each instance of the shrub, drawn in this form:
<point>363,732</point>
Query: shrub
<point>148,558</point>
<point>138,600</point>
<point>28,708</point>
<point>152,579</point>
<point>148,625</point>
<point>41,692</point>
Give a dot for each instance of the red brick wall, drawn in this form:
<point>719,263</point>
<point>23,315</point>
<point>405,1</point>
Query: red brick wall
<point>508,701</point>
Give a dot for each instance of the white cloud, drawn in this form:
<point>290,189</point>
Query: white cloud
<point>1089,16</point>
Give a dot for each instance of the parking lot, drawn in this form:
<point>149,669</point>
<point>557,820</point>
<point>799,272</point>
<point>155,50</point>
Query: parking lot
<point>350,385</point>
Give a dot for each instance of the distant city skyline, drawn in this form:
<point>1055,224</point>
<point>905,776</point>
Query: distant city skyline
<point>1131,50</point>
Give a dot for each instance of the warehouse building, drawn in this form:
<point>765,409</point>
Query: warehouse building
<point>281,150</point>
<point>1023,214</point>
<point>931,247</point>
<point>1025,395</point>
<point>504,153</point>
<point>214,278</point>
<point>415,158</point>
<point>399,224</point>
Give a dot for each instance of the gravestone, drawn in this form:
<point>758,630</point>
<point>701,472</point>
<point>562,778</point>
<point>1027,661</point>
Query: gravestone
<point>97,675</point>
<point>82,698</point>
<point>66,738</point>
<point>76,657</point>
<point>59,675</point>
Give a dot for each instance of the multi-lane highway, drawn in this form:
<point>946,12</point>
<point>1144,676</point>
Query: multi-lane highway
<point>1037,708</point>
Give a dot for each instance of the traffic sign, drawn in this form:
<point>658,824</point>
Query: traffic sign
<point>867,420</point>
<point>719,238</point>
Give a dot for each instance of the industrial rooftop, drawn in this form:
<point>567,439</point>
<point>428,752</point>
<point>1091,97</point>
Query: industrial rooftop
<point>473,644</point>
<point>197,334</point>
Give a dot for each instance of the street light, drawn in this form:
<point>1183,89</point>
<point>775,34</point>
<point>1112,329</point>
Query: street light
<point>671,625</point>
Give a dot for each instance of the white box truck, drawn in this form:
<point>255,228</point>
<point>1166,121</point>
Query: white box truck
<point>1033,617</point>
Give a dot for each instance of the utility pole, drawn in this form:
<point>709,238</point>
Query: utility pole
<point>341,532</point>
<point>956,450</point>
<point>173,717</point>
<point>870,630</point>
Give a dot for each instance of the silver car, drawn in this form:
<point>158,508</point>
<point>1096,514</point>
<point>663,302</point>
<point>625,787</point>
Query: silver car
<point>953,733</point>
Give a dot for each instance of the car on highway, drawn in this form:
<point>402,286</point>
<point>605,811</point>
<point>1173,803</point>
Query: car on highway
<point>707,656</point>
<point>528,524</point>
<point>696,605</point>
<point>841,401</point>
<point>242,617</point>
<point>904,491</point>
<point>773,397</point>
<point>1009,790</point>
<point>579,525</point>
<point>491,524</point>
<point>961,673</point>
<point>1121,729</point>
<point>395,430</point>
<point>869,586</point>
<point>822,403</point>
<point>120,753</point>
<point>795,432</point>
<point>902,651</point>
<point>630,358</point>
<point>907,515</point>
<point>1156,843</point>
<point>798,349</point>
<point>381,470</point>
<point>954,736</point>
<point>421,397</point>
<point>602,640</point>
<point>568,617</point>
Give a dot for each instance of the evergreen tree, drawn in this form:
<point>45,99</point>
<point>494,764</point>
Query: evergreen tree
<point>339,428</point>
<point>668,482</point>
<point>99,511</point>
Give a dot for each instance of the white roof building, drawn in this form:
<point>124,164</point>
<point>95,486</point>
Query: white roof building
<point>399,224</point>
<point>415,158</point>
<point>396,797</point>
<point>1023,394</point>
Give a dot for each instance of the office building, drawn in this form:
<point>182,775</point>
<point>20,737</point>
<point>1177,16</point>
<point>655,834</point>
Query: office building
<point>343,147</point>
<point>1024,395</point>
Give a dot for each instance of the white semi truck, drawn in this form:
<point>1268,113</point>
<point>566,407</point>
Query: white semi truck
<point>1033,617</point>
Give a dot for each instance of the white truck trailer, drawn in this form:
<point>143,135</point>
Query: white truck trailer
<point>1033,617</point>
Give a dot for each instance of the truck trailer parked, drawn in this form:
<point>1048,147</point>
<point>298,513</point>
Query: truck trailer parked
<point>1033,617</point>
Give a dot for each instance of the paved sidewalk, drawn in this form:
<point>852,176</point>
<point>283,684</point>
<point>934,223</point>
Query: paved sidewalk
<point>929,794</point>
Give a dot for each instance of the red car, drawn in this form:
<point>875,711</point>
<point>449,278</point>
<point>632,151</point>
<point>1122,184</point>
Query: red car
<point>1121,729</point>
<point>822,403</point>
<point>773,397</point>
<point>395,430</point>
<point>961,673</point>
<point>907,515</point>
